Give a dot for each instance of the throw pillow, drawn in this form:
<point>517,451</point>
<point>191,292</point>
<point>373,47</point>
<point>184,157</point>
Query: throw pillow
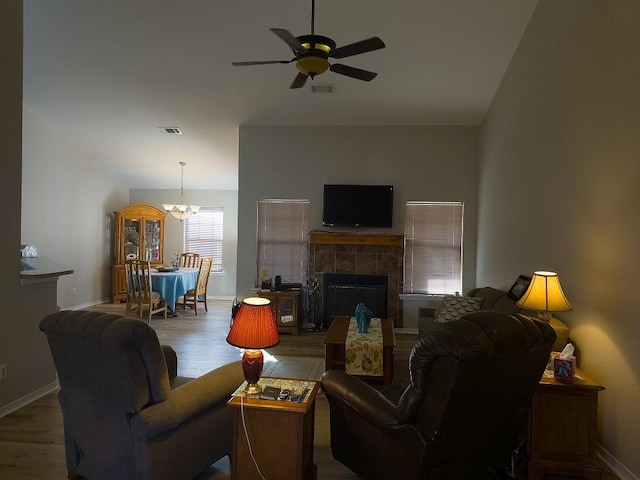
<point>454,307</point>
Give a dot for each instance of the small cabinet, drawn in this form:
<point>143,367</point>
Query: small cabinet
<point>563,428</point>
<point>285,305</point>
<point>139,233</point>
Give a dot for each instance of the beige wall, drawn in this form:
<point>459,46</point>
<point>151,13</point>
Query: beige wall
<point>62,205</point>
<point>221,285</point>
<point>67,208</point>
<point>558,190</point>
<point>22,347</point>
<point>422,163</point>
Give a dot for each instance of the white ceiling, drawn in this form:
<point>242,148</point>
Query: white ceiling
<point>106,74</point>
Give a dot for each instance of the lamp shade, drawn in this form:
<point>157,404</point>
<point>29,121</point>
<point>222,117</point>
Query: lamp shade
<point>545,294</point>
<point>254,326</point>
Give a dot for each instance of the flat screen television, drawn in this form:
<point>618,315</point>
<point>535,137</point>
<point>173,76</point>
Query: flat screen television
<point>358,206</point>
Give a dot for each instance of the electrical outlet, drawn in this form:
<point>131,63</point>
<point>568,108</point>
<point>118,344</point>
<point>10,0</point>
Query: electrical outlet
<point>3,371</point>
<point>74,291</point>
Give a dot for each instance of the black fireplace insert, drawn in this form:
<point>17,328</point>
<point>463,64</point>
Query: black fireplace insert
<point>343,292</point>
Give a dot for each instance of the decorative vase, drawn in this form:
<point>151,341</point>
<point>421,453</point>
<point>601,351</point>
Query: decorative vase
<point>363,317</point>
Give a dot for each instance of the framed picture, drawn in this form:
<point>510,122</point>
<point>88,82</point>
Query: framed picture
<point>519,287</point>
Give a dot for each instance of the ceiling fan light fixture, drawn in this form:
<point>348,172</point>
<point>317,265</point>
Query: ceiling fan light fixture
<point>324,45</point>
<point>312,65</point>
<point>317,46</point>
<point>312,53</point>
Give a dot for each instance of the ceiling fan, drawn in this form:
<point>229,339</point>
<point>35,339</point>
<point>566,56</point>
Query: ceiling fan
<point>311,54</point>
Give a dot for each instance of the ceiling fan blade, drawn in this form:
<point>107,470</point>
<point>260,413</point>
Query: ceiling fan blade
<point>357,48</point>
<point>299,81</point>
<point>267,62</point>
<point>288,38</point>
<point>353,72</point>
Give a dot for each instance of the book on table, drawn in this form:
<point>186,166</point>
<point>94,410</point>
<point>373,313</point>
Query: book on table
<point>270,393</point>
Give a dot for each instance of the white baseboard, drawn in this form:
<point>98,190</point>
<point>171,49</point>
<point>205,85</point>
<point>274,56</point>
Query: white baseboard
<point>90,304</point>
<point>108,300</point>
<point>27,399</point>
<point>614,464</point>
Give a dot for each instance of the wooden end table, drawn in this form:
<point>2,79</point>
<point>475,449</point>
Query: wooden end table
<point>563,428</point>
<point>334,342</point>
<point>281,436</point>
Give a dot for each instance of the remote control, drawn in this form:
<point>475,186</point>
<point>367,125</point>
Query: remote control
<point>303,395</point>
<point>284,394</point>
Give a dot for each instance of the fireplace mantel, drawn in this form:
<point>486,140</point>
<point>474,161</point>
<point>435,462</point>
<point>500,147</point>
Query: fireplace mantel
<point>352,238</point>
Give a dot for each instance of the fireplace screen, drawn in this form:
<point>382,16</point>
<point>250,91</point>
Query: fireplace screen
<point>342,292</point>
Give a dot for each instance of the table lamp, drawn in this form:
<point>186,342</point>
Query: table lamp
<point>254,327</point>
<point>544,295</point>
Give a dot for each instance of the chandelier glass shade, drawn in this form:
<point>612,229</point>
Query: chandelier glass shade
<point>180,210</point>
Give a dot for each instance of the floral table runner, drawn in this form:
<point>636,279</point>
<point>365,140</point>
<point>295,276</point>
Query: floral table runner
<point>363,351</point>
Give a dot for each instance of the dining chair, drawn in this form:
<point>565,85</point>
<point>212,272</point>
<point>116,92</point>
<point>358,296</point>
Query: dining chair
<point>189,260</point>
<point>140,296</point>
<point>192,297</point>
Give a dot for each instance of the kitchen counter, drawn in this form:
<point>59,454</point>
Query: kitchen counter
<point>41,268</point>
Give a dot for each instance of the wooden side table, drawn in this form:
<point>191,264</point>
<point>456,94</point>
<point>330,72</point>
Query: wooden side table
<point>281,437</point>
<point>335,340</point>
<point>563,427</point>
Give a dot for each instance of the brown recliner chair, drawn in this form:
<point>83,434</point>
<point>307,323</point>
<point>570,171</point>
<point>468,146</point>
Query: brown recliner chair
<point>127,415</point>
<point>463,411</point>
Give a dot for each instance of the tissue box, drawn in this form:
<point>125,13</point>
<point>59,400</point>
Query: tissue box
<point>564,369</point>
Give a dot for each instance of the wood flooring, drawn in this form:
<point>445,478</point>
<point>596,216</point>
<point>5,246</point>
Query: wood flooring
<point>32,438</point>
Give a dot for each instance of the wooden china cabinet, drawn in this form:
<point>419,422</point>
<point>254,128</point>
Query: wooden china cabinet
<point>139,233</point>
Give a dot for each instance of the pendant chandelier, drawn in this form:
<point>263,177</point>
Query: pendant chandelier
<point>181,211</point>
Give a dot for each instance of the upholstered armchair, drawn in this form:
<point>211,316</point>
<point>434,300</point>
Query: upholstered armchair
<point>464,409</point>
<point>127,415</point>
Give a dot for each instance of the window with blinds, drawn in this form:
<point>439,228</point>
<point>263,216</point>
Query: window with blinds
<point>203,235</point>
<point>282,240</point>
<point>433,247</point>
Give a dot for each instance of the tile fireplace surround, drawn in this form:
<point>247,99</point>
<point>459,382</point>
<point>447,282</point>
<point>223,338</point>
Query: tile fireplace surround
<point>360,253</point>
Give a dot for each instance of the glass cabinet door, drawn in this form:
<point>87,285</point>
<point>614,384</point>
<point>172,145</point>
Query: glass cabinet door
<point>287,311</point>
<point>131,238</point>
<point>152,240</point>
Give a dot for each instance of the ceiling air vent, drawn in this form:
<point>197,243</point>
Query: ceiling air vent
<point>174,130</point>
<point>323,88</point>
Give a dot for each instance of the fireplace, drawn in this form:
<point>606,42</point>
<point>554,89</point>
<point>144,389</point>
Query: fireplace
<point>374,255</point>
<point>342,292</point>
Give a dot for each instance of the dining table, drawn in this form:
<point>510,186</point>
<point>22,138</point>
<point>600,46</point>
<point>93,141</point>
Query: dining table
<point>172,285</point>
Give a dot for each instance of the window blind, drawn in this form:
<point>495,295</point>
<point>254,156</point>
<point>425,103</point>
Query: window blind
<point>203,234</point>
<point>282,240</point>
<point>433,247</point>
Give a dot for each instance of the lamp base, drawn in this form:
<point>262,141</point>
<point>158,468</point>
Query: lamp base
<point>544,315</point>
<point>252,361</point>
<point>252,390</point>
